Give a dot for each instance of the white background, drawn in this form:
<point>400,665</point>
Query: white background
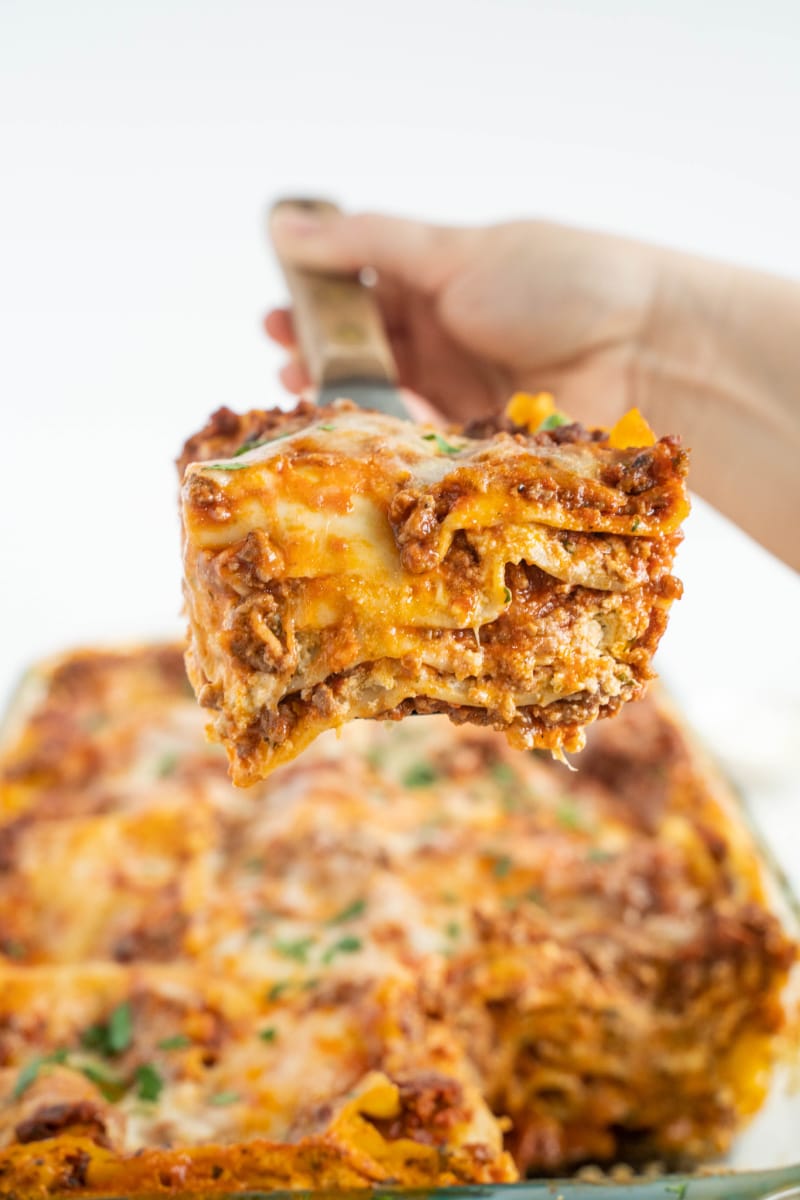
<point>140,144</point>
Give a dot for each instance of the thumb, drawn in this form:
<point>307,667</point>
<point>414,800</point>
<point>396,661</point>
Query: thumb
<point>416,253</point>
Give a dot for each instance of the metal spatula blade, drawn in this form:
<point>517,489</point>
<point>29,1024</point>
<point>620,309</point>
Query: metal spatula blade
<point>366,393</point>
<point>340,333</point>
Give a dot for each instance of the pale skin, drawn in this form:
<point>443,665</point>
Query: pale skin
<point>705,350</point>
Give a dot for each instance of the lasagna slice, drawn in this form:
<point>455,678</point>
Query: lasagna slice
<point>342,563</point>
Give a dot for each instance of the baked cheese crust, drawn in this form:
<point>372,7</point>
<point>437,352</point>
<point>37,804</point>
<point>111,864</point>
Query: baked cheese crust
<point>342,564</point>
<point>420,958</point>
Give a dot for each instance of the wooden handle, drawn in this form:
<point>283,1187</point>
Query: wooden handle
<point>337,321</point>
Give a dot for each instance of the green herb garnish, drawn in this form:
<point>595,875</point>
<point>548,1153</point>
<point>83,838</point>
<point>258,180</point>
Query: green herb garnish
<point>297,950</point>
<point>348,913</point>
<point>166,765</point>
<point>269,1034</point>
<point>227,466</point>
<point>569,816</point>
<point>345,945</point>
<point>221,1098</point>
<point>277,990</point>
<point>501,866</point>
<point>327,428</point>
<point>635,525</point>
<point>253,444</point>
<point>453,929</point>
<point>112,1037</point>
<point>179,1042</point>
<point>149,1083</point>
<point>441,443</point>
<point>553,421</point>
<point>419,775</point>
<point>111,1086</point>
<point>678,1189</point>
<point>507,595</point>
<point>31,1070</point>
<point>12,948</point>
<point>533,895</point>
<point>598,855</point>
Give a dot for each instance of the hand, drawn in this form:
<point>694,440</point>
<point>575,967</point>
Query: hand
<point>705,349</point>
<point>474,315</point>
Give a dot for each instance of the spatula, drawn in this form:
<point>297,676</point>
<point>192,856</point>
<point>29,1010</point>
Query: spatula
<point>340,332</point>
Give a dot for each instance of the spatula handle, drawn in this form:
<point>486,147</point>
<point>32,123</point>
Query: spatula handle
<point>336,318</point>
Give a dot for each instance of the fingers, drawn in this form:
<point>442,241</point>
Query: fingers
<point>294,377</point>
<point>280,327</point>
<point>422,256</point>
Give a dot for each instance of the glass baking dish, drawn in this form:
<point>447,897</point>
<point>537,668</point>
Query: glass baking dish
<point>764,1163</point>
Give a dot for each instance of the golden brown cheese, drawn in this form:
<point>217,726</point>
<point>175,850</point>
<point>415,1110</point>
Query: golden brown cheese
<point>416,952</point>
<point>341,563</point>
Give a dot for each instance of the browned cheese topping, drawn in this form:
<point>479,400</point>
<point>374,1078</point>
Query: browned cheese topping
<point>414,956</point>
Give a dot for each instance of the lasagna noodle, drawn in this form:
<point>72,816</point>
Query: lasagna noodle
<point>344,564</point>
<point>419,958</point>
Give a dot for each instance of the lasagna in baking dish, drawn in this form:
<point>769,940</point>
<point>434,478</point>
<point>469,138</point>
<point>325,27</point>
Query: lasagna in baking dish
<point>342,563</point>
<point>419,959</point>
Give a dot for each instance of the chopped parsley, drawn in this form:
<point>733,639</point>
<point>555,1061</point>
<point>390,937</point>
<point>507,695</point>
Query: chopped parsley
<point>533,895</point>
<point>327,428</point>
<point>453,929</point>
<point>501,866</point>
<point>219,1099</point>
<point>345,945</point>
<point>229,466</point>
<point>421,774</point>
<point>269,1034</point>
<point>111,1085</point>
<point>252,444</point>
<point>179,1042</point>
<point>553,421</point>
<point>277,990</point>
<point>598,855</point>
<point>635,525</point>
<point>297,950</point>
<point>149,1082</point>
<point>507,595</point>
<point>30,1071</point>
<point>442,443</point>
<point>112,1037</point>
<point>348,913</point>
<point>678,1189</point>
<point>166,765</point>
<point>569,816</point>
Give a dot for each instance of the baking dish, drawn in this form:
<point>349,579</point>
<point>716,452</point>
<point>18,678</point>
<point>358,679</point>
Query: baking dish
<point>765,1161</point>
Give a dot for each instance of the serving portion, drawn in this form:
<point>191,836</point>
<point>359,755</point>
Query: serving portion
<point>418,958</point>
<point>342,564</point>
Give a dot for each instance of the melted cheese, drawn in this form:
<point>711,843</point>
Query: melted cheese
<point>338,977</point>
<point>354,553</point>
